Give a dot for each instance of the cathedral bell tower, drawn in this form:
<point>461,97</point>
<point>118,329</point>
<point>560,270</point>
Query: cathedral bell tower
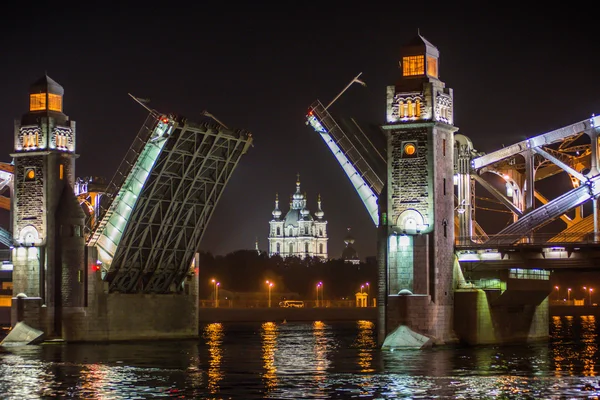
<point>416,229</point>
<point>47,221</point>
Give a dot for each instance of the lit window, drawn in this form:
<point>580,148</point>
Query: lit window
<point>432,67</point>
<point>54,102</point>
<point>409,149</point>
<point>37,101</point>
<point>61,171</point>
<point>413,65</point>
<point>418,107</point>
<point>401,109</point>
<point>411,109</point>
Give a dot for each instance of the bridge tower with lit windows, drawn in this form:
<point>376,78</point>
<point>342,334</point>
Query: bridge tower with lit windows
<point>47,222</point>
<point>416,217</point>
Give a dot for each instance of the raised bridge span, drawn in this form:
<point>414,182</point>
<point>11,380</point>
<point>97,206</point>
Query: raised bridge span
<point>98,260</point>
<point>420,180</point>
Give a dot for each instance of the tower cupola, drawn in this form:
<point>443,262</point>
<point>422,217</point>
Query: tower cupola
<point>276,212</point>
<point>419,58</point>
<point>319,213</point>
<point>46,94</point>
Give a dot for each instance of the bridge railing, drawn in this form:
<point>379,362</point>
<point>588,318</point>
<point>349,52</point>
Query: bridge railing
<point>534,239</point>
<point>489,284</point>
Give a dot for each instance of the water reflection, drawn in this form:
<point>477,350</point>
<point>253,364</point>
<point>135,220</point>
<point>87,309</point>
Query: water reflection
<point>213,333</point>
<point>365,342</point>
<point>22,379</point>
<point>269,346</point>
<point>305,361</point>
<point>589,339</point>
<point>93,382</point>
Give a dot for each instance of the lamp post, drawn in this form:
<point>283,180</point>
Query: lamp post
<point>569,294</point>
<point>322,293</point>
<point>368,294</point>
<point>318,286</point>
<point>217,294</point>
<point>269,286</point>
<point>214,282</point>
<point>591,290</point>
<point>557,293</point>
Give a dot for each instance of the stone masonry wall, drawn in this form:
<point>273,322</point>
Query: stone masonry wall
<point>409,186</point>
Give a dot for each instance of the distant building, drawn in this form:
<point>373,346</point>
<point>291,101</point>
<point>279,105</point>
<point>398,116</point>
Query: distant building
<point>298,233</point>
<point>349,254</point>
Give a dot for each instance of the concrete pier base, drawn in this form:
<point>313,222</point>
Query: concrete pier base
<point>484,318</point>
<point>418,314</point>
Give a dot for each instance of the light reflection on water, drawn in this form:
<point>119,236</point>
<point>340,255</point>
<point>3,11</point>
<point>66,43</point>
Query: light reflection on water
<point>305,361</point>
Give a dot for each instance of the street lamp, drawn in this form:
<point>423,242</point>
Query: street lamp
<point>557,293</point>
<point>269,286</point>
<point>361,288</point>
<point>214,282</point>
<point>217,294</point>
<point>322,294</point>
<point>591,290</point>
<point>368,287</point>
<point>318,286</point>
<point>569,294</point>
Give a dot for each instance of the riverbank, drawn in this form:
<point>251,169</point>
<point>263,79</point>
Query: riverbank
<point>278,314</point>
<point>575,311</point>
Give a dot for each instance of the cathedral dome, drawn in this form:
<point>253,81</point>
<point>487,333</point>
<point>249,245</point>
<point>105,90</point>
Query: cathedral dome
<point>305,213</point>
<point>276,212</point>
<point>349,239</point>
<point>319,213</point>
<point>292,217</point>
<point>349,253</point>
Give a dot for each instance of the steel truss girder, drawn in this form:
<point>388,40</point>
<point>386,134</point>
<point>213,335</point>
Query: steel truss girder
<point>555,136</point>
<point>174,208</point>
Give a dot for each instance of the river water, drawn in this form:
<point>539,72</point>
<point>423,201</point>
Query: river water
<point>305,361</point>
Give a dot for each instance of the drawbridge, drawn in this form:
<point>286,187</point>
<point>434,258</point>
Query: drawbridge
<point>571,150</point>
<point>148,223</point>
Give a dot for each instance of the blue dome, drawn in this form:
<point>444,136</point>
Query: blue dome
<point>292,217</point>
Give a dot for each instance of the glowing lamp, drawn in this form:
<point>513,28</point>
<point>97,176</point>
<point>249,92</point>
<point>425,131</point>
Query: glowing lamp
<point>409,149</point>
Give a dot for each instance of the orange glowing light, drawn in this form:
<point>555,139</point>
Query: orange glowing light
<point>410,149</point>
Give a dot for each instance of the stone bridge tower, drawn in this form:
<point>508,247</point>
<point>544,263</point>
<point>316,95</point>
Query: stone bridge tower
<point>47,222</point>
<point>416,236</point>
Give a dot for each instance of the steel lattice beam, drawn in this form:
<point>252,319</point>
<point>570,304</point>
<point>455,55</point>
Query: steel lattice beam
<point>174,208</point>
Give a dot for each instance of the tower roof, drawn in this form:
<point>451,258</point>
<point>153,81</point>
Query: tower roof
<point>419,45</point>
<point>46,85</point>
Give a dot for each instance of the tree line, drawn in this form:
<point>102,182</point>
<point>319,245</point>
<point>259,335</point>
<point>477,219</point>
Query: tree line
<point>248,270</point>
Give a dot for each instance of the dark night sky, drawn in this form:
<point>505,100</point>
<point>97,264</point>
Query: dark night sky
<point>515,73</point>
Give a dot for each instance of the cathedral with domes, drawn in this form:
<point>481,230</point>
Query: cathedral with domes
<point>298,233</point>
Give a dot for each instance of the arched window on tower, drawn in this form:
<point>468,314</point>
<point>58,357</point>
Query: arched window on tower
<point>291,249</point>
<point>400,109</point>
<point>320,248</point>
<point>321,232</point>
<point>278,231</point>
<point>418,108</point>
<point>411,109</point>
<point>278,248</point>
